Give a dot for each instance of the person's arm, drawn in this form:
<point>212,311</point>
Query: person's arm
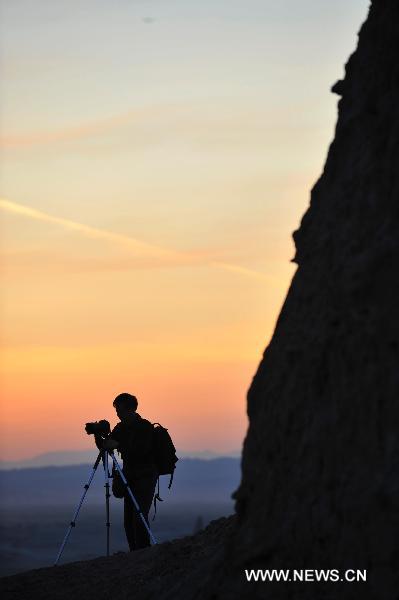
<point>112,442</point>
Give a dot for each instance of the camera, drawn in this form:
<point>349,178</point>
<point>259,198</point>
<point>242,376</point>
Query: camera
<point>98,428</point>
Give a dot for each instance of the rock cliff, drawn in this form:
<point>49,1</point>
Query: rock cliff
<point>320,482</point>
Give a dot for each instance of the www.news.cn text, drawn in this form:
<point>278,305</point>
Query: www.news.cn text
<point>306,575</point>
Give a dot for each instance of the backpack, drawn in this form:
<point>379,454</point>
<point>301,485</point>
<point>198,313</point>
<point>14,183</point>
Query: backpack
<point>165,458</point>
<point>164,452</point>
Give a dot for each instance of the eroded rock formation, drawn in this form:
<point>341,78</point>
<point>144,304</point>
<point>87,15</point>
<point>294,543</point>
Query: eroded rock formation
<point>320,485</point>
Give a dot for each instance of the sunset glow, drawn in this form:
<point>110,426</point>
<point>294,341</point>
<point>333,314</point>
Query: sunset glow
<point>157,157</point>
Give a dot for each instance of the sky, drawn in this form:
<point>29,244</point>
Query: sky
<point>156,157</point>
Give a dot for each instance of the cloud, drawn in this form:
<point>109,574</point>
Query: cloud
<point>149,254</point>
<point>82,130</point>
<point>200,122</point>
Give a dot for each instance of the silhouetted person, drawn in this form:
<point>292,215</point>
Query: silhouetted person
<point>134,437</point>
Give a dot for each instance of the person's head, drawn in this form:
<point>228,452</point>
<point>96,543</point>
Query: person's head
<point>125,405</point>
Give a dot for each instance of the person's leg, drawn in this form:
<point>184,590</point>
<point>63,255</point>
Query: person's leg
<point>128,521</point>
<point>143,490</point>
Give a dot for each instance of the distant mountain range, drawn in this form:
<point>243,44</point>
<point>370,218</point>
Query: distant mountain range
<point>196,481</point>
<point>82,457</point>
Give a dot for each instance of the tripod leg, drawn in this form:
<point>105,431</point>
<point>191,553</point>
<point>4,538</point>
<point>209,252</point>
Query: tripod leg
<point>75,516</point>
<point>107,497</point>
<point>137,507</point>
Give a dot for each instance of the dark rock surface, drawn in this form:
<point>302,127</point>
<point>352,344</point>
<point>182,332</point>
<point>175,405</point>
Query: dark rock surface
<point>320,484</point>
<point>163,571</point>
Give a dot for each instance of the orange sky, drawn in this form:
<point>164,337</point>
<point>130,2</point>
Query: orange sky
<point>150,187</point>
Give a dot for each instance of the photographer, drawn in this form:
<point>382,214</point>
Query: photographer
<point>133,437</point>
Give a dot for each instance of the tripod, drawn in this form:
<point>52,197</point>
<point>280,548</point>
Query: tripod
<point>103,456</point>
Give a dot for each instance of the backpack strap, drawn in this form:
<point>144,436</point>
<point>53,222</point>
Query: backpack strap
<point>170,480</point>
<point>156,497</point>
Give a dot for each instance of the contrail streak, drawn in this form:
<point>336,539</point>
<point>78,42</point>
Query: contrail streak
<point>242,270</point>
<point>138,247</point>
<point>133,244</point>
<point>81,130</point>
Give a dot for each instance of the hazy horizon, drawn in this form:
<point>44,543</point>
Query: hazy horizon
<point>88,455</point>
